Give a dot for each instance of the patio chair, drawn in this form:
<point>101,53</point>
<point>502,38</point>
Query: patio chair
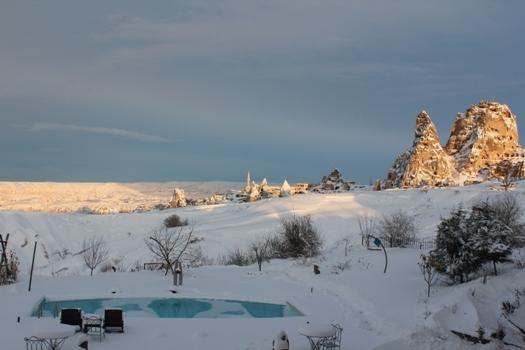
<point>34,343</point>
<point>113,319</point>
<point>93,325</point>
<point>72,317</point>
<point>333,342</point>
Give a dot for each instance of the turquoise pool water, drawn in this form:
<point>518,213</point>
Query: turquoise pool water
<point>170,308</point>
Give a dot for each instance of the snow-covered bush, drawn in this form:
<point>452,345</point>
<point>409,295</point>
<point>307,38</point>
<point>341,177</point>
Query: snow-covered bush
<point>467,240</point>
<point>11,275</point>
<point>398,229</point>
<point>453,252</point>
<point>297,237</point>
<point>491,239</point>
<point>175,221</point>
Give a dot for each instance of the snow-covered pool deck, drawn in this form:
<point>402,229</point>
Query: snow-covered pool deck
<point>142,333</point>
<point>373,308</point>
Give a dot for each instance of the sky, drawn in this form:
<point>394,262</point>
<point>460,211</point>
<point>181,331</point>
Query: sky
<point>133,90</point>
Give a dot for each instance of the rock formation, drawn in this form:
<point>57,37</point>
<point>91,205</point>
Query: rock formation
<point>254,193</point>
<point>483,144</point>
<point>426,163</point>
<point>483,137</point>
<point>333,182</point>
<point>178,199</point>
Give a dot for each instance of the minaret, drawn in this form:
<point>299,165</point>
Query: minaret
<point>248,183</point>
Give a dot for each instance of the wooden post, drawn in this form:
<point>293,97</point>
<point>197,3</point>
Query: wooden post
<point>32,266</point>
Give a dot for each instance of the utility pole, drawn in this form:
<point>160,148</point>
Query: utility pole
<point>32,266</point>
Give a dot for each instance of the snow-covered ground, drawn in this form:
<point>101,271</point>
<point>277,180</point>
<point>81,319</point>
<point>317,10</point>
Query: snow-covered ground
<point>100,197</point>
<point>387,311</point>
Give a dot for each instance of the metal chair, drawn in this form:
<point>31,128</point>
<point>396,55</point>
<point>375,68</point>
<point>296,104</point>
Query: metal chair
<point>333,342</point>
<point>34,343</point>
<point>93,325</point>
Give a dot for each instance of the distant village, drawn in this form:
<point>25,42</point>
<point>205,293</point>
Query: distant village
<point>254,191</point>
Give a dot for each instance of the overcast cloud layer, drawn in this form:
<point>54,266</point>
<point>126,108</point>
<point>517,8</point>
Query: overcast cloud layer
<point>208,89</point>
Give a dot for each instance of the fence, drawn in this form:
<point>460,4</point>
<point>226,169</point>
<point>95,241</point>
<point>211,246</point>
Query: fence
<point>416,243</point>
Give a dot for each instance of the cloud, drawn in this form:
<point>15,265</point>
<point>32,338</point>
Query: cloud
<point>132,135</point>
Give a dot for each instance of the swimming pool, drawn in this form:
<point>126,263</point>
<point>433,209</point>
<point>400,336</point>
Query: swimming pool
<point>170,308</point>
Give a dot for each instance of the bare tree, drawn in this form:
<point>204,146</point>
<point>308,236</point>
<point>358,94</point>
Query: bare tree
<point>94,252</point>
<point>507,182</point>
<point>169,245</point>
<point>427,266</point>
<point>261,250</point>
<point>397,229</point>
<point>511,172</point>
<point>367,228</point>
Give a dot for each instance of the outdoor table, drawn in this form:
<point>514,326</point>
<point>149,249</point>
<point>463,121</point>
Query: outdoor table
<point>316,333</point>
<point>92,321</point>
<point>54,336</point>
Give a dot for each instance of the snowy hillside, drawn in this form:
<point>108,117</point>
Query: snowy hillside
<point>230,225</point>
<point>100,197</point>
<point>387,311</point>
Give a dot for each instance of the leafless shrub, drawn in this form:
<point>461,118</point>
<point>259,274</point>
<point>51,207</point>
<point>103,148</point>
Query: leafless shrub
<point>509,211</point>
<point>196,257</point>
<point>116,264</point>
<point>94,252</point>
<point>237,257</point>
<point>397,229</point>
<point>62,254</point>
<point>136,266</point>
<point>519,259</point>
<point>297,237</point>
<point>516,332</point>
<point>10,275</point>
<point>169,245</point>
<point>427,266</point>
<point>175,221</point>
<point>341,266</point>
<point>367,228</point>
<point>507,182</point>
<point>107,266</point>
<point>511,172</point>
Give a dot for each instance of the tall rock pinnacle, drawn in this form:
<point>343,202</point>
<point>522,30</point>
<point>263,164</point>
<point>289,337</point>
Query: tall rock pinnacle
<point>482,144</point>
<point>426,163</point>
